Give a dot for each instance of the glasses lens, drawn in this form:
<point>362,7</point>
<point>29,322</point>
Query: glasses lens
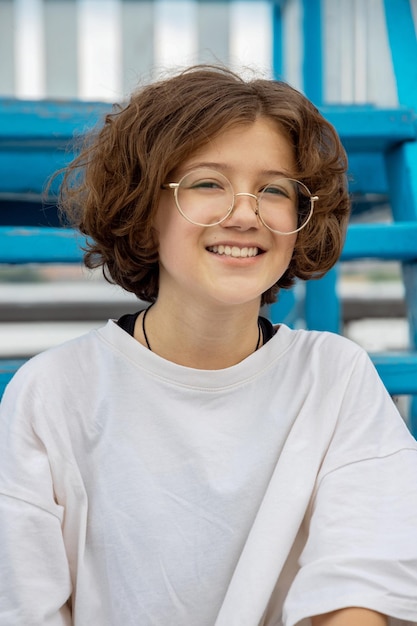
<point>204,197</point>
<point>285,205</point>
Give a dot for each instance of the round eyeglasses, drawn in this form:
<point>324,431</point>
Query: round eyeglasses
<point>206,198</point>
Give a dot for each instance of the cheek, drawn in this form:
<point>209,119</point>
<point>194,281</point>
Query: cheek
<point>287,253</point>
<point>289,246</point>
<point>162,216</point>
<point>165,225</point>
<point>177,239</point>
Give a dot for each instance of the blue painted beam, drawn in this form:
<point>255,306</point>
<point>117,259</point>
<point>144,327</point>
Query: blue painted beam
<point>322,307</point>
<point>28,171</point>
<point>396,241</point>
<point>402,162</point>
<point>277,40</point>
<point>7,369</point>
<point>403,46</point>
<point>51,122</point>
<point>367,174</point>
<point>37,138</point>
<point>39,245</point>
<point>367,129</point>
<point>398,371</point>
<point>313,60</point>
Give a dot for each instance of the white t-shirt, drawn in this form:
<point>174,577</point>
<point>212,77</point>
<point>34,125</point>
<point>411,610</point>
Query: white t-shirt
<point>136,492</point>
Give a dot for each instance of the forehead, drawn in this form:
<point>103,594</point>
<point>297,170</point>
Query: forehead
<point>261,144</point>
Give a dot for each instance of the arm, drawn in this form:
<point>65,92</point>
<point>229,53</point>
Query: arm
<point>35,581</point>
<point>34,573</point>
<point>361,547</point>
<point>350,617</point>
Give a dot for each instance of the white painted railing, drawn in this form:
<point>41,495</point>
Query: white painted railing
<point>100,49</point>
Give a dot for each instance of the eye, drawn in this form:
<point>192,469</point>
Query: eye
<point>206,184</point>
<point>276,190</point>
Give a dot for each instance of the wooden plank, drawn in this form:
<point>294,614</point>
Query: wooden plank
<point>410,284</point>
<point>380,77</point>
<point>332,52</point>
<point>36,138</point>
<point>28,36</point>
<point>313,70</point>
<point>61,37</point>
<point>27,210</point>
<point>398,371</point>
<point>61,41</point>
<point>346,45</point>
<point>402,163</point>
<point>62,311</point>
<point>138,41</point>
<point>213,24</point>
<point>47,120</point>
<point>360,78</point>
<point>322,306</point>
<point>277,40</point>
<point>27,172</point>
<point>39,245</point>
<point>354,309</point>
<point>403,44</point>
<point>7,369</point>
<point>7,53</point>
<point>356,57</point>
<point>367,174</point>
<point>396,241</point>
<point>99,35</point>
<point>367,129</point>
<point>402,176</point>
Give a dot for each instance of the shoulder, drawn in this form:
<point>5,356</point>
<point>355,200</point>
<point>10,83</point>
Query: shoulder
<point>337,366</point>
<point>316,339</point>
<point>46,371</point>
<point>325,353</point>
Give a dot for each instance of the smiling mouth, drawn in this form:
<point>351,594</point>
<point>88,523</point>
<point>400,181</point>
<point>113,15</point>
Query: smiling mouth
<point>234,251</point>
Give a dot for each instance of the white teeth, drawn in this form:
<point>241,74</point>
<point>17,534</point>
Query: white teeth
<point>234,251</point>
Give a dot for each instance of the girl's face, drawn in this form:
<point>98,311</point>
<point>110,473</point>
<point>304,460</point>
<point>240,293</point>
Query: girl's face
<point>206,265</point>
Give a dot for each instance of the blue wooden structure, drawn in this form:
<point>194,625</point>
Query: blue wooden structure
<point>392,157</point>
<point>382,149</point>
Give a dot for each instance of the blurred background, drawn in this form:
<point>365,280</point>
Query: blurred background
<point>101,49</point>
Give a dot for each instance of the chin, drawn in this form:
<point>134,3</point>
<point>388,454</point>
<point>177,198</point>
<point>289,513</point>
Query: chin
<point>239,299</point>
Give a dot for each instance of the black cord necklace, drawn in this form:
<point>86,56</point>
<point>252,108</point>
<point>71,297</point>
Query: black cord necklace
<point>145,313</point>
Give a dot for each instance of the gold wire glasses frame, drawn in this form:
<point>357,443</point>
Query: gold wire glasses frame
<point>204,192</point>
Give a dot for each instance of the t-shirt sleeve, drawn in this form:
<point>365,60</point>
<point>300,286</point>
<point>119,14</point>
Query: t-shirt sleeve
<point>35,582</point>
<point>362,545</point>
<point>361,548</point>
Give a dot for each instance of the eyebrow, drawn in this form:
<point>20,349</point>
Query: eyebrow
<point>228,168</point>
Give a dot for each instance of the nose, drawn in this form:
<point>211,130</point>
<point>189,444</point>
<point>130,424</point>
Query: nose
<point>245,212</point>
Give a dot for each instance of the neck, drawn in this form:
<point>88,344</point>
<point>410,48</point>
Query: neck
<point>200,339</point>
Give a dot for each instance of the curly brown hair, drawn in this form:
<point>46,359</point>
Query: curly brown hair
<point>110,192</point>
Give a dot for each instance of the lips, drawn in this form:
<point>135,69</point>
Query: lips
<point>235,251</point>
